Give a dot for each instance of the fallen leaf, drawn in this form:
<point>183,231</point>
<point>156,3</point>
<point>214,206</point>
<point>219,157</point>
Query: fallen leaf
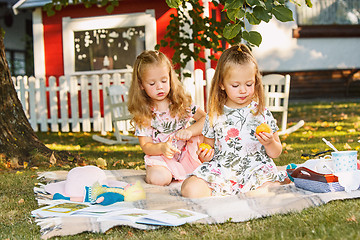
<point>325,124</point>
<point>52,159</point>
<point>115,163</point>
<point>81,163</point>
<point>101,163</point>
<point>132,163</point>
<point>14,162</point>
<point>21,201</point>
<point>347,146</point>
<point>248,226</point>
<point>352,219</point>
<point>305,158</point>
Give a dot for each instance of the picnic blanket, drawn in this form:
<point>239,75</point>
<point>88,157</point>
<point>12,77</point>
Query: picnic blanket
<point>239,208</point>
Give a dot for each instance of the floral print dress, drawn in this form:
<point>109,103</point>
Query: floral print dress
<point>240,162</point>
<point>163,125</point>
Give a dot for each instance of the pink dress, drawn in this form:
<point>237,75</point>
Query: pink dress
<point>162,127</point>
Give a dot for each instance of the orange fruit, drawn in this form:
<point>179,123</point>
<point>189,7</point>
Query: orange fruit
<point>205,146</point>
<point>263,128</point>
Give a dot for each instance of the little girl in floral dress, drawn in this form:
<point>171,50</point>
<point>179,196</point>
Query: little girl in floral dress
<point>240,160</point>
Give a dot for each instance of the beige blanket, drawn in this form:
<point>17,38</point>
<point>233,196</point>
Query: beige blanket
<point>239,208</point>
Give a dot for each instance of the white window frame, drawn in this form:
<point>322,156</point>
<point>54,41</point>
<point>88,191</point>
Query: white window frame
<point>71,25</point>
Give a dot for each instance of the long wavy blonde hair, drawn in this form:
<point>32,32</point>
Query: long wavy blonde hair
<point>140,104</point>
<point>237,54</point>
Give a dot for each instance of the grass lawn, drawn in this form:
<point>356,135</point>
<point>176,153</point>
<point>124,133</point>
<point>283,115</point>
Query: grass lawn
<point>338,122</point>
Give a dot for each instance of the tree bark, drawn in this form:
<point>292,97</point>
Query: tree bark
<point>17,138</point>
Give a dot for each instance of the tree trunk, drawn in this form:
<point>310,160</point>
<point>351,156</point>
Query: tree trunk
<point>17,138</point>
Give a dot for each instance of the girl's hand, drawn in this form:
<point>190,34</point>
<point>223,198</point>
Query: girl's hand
<point>271,142</point>
<point>183,134</point>
<point>265,138</point>
<point>205,155</point>
<point>168,149</point>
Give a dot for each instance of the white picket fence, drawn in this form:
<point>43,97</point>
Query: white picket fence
<point>72,103</point>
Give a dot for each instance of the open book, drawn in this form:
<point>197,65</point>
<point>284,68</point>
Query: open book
<point>121,213</point>
<point>171,218</point>
<point>155,217</point>
<point>59,209</point>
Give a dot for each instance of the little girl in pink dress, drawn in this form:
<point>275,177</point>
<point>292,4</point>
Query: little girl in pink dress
<point>163,128</point>
<point>163,115</point>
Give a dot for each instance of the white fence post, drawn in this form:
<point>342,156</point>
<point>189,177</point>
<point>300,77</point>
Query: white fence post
<point>43,116</point>
<point>209,76</point>
<point>95,92</point>
<point>199,88</point>
<point>107,113</point>
<point>64,109</point>
<point>32,104</point>
<point>75,126</point>
<point>189,85</point>
<point>53,100</point>
<point>85,107</point>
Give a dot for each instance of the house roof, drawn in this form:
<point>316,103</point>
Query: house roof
<point>25,4</point>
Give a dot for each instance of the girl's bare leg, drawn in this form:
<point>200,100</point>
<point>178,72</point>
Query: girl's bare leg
<point>194,187</point>
<point>158,175</point>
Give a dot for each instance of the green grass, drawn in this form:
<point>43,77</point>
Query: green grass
<point>339,122</point>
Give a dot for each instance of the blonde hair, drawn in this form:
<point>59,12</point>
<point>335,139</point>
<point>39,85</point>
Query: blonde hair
<point>238,54</point>
<point>140,104</point>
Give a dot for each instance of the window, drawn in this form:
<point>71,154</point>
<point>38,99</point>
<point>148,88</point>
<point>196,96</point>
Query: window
<point>106,43</point>
<point>329,18</point>
<point>104,49</point>
<point>16,60</point>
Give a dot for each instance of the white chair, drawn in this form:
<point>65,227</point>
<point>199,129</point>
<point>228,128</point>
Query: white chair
<point>117,100</point>
<point>277,89</point>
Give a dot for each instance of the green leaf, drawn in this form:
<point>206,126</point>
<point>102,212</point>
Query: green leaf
<point>262,14</point>
<point>233,4</point>
<point>252,19</point>
<point>308,3</point>
<point>268,5</point>
<point>187,74</point>
<point>49,10</point>
<point>110,9</point>
<point>115,3</point>
<point>163,43</point>
<point>234,14</point>
<point>252,37</point>
<point>231,30</point>
<point>282,13</point>
<point>255,3</point>
<point>58,7</point>
<point>173,3</point>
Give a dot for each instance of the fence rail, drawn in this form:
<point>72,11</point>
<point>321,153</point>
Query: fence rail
<point>78,103</point>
